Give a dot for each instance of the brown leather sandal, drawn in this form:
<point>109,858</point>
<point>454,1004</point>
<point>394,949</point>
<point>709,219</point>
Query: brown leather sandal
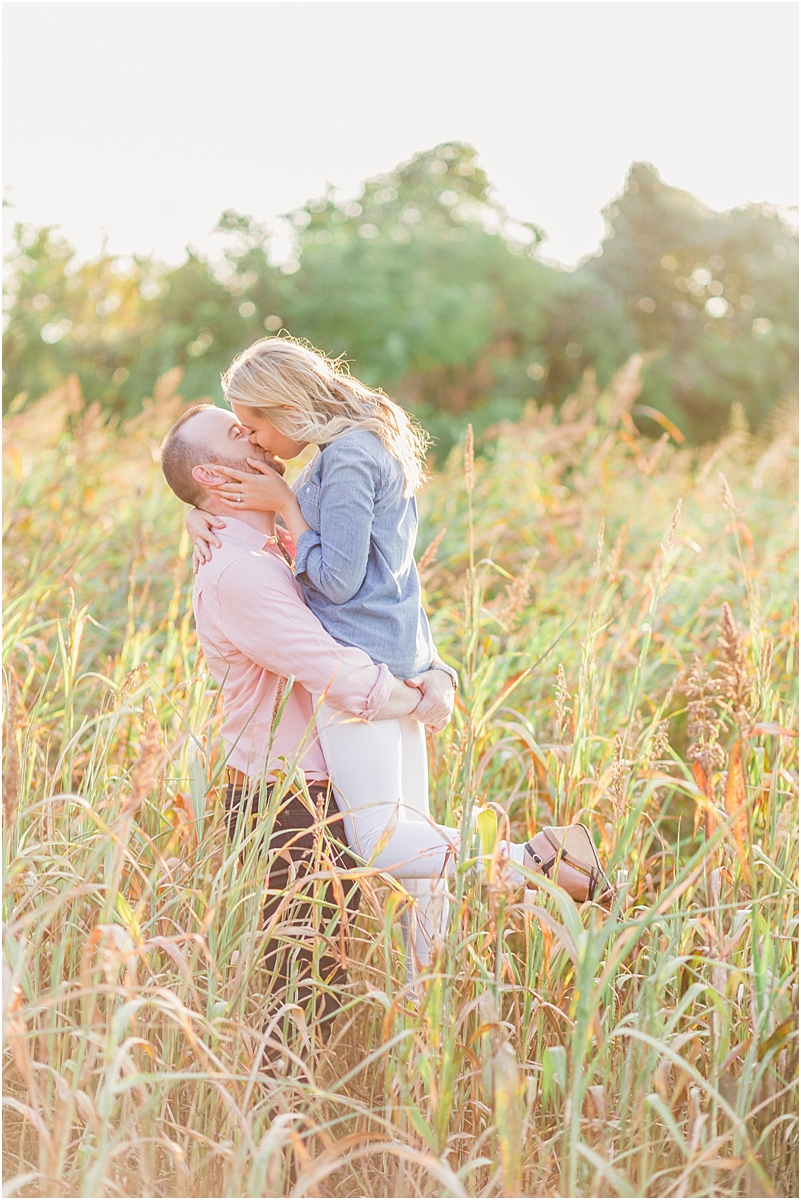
<point>573,845</point>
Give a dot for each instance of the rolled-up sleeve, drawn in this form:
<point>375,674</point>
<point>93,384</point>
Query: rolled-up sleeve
<point>333,560</point>
<point>267,620</point>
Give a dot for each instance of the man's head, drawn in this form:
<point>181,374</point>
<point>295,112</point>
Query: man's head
<point>199,440</point>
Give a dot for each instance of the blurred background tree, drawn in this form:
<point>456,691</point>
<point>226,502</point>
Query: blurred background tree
<point>436,294</point>
<point>715,294</point>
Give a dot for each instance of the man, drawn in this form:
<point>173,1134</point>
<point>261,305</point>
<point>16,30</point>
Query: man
<point>256,632</point>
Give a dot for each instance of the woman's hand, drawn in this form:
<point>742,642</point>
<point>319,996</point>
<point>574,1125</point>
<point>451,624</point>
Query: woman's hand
<point>200,526</point>
<point>262,492</point>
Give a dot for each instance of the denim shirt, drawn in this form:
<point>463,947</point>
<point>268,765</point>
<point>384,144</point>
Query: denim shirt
<point>356,563</point>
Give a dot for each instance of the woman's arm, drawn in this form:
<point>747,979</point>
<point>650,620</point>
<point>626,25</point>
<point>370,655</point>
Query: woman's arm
<point>334,560</point>
<point>200,526</point>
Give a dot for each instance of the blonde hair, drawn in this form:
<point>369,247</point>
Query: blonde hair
<point>311,398</point>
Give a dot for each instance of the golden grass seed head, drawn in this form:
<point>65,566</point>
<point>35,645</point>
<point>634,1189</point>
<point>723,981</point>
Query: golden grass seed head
<point>617,552</point>
<point>712,458</point>
<point>738,421</point>
<point>469,460</point>
<point>146,771</point>
<point>128,682</point>
<point>625,387</point>
<point>670,536</point>
<point>429,557</point>
<point>676,684</point>
<point>660,742</point>
<point>652,460</point>
<point>515,599</point>
<point>200,670</point>
<point>703,724</point>
<point>726,497</point>
<point>599,549</point>
<point>563,706</point>
<point>620,773</point>
<point>734,685</point>
<point>766,659</point>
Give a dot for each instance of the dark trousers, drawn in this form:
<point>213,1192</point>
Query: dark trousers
<point>296,836</point>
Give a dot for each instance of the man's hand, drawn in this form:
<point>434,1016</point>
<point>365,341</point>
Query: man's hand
<point>436,704</point>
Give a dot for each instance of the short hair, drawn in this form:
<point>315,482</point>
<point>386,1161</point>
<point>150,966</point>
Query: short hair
<point>180,453</point>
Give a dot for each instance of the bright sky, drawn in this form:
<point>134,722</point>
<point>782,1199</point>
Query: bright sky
<point>145,120</point>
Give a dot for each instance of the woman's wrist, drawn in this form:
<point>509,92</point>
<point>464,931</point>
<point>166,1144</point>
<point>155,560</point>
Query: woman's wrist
<point>292,517</point>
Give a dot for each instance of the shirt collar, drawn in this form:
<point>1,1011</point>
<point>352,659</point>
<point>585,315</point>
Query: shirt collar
<point>240,531</point>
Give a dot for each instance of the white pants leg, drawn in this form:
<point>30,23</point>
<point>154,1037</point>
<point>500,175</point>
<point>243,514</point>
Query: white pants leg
<point>384,804</point>
<point>379,773</point>
<point>428,918</point>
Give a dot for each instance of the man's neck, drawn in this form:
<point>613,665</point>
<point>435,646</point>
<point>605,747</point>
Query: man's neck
<point>264,522</point>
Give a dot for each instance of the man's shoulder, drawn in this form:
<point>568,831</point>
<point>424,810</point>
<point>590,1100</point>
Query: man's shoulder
<point>234,557</point>
<point>243,586</point>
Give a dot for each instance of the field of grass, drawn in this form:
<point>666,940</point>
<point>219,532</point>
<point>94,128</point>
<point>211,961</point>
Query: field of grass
<point>623,616</point>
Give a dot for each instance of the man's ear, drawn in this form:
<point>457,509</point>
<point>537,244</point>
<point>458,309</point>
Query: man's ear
<point>206,475</point>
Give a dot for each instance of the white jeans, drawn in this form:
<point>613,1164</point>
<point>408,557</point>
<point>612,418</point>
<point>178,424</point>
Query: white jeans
<point>379,772</point>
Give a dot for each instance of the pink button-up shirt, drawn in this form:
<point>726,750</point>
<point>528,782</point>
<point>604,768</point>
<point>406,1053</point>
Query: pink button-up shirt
<point>256,630</point>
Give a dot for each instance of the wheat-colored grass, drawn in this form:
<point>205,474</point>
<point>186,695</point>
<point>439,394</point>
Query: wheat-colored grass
<point>645,1051</point>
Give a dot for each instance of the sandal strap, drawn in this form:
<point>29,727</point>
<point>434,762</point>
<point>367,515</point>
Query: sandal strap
<point>561,855</point>
<point>568,860</point>
<point>546,831</point>
<point>544,867</point>
<point>564,854</point>
<point>595,876</point>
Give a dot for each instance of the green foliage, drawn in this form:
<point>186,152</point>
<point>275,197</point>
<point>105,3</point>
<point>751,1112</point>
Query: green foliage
<point>715,295</point>
<point>428,274</point>
<point>434,293</point>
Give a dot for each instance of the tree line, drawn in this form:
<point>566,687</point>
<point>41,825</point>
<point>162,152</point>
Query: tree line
<point>434,293</point>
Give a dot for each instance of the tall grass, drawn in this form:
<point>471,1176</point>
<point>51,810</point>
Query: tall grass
<point>580,588</point>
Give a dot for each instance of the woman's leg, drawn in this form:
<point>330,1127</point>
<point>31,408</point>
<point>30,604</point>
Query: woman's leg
<point>379,771</point>
<point>387,827</point>
<point>428,917</point>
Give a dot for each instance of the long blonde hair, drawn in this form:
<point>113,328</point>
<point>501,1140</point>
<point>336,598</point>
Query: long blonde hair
<point>312,398</point>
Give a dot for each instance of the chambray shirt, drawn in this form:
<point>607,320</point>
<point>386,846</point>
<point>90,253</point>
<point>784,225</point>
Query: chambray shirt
<point>356,564</point>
